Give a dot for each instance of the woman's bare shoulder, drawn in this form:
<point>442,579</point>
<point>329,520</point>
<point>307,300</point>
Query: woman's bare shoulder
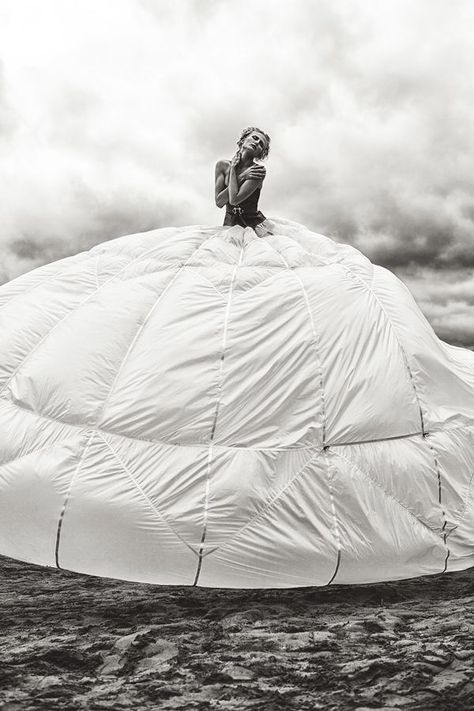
<point>222,165</point>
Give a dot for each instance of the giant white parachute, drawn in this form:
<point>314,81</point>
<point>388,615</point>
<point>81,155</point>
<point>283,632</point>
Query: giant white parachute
<point>199,405</point>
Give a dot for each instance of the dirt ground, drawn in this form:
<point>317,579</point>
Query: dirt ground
<point>75,642</point>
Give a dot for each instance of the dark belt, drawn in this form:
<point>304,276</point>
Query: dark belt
<point>237,213</point>
<point>230,209</point>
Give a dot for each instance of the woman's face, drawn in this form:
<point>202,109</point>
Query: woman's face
<point>255,143</point>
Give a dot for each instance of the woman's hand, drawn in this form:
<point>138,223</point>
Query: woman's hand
<point>255,172</point>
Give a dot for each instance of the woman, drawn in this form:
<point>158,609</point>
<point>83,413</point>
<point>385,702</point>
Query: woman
<point>196,405</point>
<point>238,182</point>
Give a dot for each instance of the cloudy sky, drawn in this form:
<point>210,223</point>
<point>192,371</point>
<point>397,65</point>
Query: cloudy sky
<point>112,115</point>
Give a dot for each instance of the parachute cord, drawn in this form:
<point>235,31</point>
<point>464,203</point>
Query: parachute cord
<point>67,497</point>
<point>206,507</point>
<point>440,501</point>
<point>337,533</point>
<point>216,413</point>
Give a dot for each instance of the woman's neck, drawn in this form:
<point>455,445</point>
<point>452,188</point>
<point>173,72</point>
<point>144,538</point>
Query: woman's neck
<point>246,159</point>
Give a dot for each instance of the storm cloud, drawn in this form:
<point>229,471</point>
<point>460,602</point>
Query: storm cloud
<point>112,116</point>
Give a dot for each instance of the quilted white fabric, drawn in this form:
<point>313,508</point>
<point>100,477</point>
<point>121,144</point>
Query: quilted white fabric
<point>199,405</point>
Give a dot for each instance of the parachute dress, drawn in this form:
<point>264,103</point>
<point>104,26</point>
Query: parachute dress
<point>205,406</point>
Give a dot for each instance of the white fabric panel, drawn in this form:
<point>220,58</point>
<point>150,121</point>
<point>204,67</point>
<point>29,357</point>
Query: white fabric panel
<point>199,405</point>
<point>75,391</point>
<point>445,393</point>
<point>362,365</point>
<point>461,358</point>
<point>290,542</point>
<point>165,387</point>
<point>22,431</point>
<point>311,248</point>
<point>460,541</point>
<point>261,255</point>
<point>111,528</point>
<point>165,244</point>
<point>255,410</point>
<point>107,268</point>
<point>242,483</point>
<point>252,277</point>
<point>172,477</point>
<point>25,283</point>
<point>381,538</point>
<point>27,320</point>
<point>33,488</point>
<point>403,468</point>
<point>454,453</point>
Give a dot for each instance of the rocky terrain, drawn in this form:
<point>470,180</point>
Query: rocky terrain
<point>75,642</point>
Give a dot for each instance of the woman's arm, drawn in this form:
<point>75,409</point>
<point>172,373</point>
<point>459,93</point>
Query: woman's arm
<point>247,188</point>
<point>233,181</point>
<point>255,173</point>
<point>221,192</point>
<point>249,185</point>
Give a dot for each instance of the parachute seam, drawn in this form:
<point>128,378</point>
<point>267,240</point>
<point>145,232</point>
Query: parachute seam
<point>67,497</point>
<point>315,340</point>
<point>216,413</point>
<point>440,501</point>
<point>388,495</point>
<point>332,500</point>
<point>194,445</point>
<point>197,445</point>
<point>166,266</point>
<point>379,439</point>
<point>140,330</point>
<point>266,506</point>
<point>139,488</point>
<point>316,345</point>
<point>75,308</point>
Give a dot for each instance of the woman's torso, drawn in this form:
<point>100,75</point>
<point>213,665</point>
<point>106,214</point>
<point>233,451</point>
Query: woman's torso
<point>247,212</point>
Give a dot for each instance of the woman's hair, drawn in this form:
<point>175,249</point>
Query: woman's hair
<point>249,130</point>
